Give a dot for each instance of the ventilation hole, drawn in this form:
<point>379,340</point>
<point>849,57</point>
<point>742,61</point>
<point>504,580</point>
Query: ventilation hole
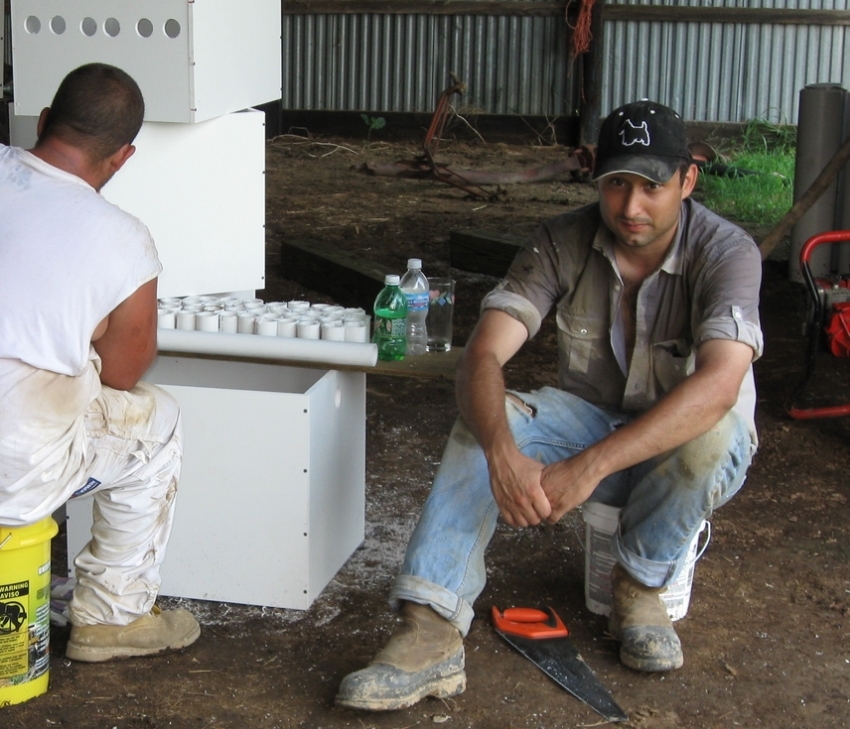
<point>32,24</point>
<point>172,28</point>
<point>89,26</point>
<point>112,27</point>
<point>144,28</point>
<point>57,24</point>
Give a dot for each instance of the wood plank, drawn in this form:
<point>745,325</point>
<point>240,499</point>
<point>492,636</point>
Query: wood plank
<point>483,251</point>
<point>323,267</point>
<point>707,14</point>
<point>498,8</point>
<point>524,8</point>
<point>427,366</point>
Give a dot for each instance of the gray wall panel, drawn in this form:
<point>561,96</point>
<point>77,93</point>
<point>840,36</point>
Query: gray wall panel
<point>366,62</point>
<point>724,71</point>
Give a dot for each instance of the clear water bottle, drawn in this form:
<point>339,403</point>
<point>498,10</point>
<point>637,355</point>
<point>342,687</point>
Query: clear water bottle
<point>414,285</point>
<point>390,320</point>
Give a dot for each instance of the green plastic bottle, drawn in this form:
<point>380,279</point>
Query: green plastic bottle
<point>390,320</point>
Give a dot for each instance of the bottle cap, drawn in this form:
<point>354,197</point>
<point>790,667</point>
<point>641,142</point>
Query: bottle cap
<point>391,279</point>
<point>414,263</point>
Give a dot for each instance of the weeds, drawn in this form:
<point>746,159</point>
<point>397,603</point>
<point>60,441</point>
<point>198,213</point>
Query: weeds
<point>758,186</point>
<point>373,123</point>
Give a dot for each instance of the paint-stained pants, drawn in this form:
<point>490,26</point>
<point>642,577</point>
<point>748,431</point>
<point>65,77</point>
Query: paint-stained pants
<point>133,461</point>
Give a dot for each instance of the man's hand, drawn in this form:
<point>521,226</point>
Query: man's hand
<point>516,486</point>
<point>568,484</point>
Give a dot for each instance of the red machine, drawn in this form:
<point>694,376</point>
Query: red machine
<point>829,319</point>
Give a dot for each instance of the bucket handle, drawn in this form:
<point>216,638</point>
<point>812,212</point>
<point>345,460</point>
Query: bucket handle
<point>8,537</point>
<point>707,540</point>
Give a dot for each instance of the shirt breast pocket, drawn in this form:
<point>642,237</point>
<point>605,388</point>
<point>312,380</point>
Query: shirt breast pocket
<point>580,337</point>
<point>672,362</point>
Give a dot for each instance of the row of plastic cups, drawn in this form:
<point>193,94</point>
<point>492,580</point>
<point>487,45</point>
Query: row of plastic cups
<point>258,306</point>
<point>351,327</point>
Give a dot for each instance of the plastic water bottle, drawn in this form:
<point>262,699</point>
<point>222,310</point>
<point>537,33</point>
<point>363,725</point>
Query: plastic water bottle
<point>390,320</point>
<point>414,285</point>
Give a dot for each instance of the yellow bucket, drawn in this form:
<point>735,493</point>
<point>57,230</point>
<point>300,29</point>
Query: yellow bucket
<point>25,610</point>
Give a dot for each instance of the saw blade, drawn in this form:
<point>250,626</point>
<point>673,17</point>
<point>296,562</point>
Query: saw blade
<point>559,659</point>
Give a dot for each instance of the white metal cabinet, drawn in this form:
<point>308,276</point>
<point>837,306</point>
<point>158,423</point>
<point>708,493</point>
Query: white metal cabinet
<point>193,59</point>
<point>271,501</point>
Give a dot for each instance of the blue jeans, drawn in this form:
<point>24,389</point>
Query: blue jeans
<point>664,500</point>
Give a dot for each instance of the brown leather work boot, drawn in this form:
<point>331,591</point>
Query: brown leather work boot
<point>639,620</point>
<point>423,658</point>
<point>156,632</point>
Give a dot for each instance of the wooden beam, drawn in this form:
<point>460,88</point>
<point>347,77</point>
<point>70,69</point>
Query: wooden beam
<point>524,8</point>
<point>347,278</point>
<point>425,7</point>
<point>427,366</point>
<point>743,16</point>
<point>483,251</point>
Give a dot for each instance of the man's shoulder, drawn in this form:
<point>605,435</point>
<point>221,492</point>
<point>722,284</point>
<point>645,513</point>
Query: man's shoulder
<point>575,226</point>
<point>706,226</point>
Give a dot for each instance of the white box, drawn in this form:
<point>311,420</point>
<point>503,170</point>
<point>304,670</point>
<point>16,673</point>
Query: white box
<point>193,59</point>
<point>200,188</point>
<point>271,500</point>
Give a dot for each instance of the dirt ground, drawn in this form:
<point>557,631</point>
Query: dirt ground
<point>767,636</point>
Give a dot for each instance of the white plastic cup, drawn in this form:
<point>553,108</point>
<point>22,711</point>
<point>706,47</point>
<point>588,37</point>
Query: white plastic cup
<point>206,321</point>
<point>166,318</point>
<point>308,328</point>
<point>267,325</point>
<point>245,322</point>
<point>186,320</point>
<point>357,330</point>
<point>227,321</point>
<point>333,331</point>
<point>287,327</point>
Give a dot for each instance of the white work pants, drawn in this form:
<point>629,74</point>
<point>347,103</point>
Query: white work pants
<point>133,460</point>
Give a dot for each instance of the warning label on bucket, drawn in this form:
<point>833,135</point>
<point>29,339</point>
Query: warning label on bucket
<point>14,629</point>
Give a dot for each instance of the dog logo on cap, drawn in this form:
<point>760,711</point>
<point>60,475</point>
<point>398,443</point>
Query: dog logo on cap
<point>631,135</point>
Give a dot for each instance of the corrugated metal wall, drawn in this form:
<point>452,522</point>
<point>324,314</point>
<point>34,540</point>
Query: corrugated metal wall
<point>371,62</point>
<point>723,71</point>
<point>709,71</point>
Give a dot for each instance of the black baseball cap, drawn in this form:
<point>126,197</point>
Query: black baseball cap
<point>643,138</point>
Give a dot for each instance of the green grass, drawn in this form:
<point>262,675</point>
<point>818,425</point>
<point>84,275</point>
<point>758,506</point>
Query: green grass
<point>761,199</point>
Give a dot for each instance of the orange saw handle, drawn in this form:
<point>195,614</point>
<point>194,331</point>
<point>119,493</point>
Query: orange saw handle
<point>529,622</point>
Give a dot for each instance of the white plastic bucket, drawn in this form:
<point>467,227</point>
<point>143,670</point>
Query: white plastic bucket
<point>601,523</point>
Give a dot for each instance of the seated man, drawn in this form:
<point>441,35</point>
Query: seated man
<point>78,330</point>
<point>656,300</point>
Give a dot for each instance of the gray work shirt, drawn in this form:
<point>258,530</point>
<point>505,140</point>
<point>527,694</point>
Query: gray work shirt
<point>706,288</point>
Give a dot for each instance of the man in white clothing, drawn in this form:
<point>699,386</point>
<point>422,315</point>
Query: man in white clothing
<point>78,294</point>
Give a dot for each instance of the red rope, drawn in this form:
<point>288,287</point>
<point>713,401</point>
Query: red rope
<point>581,33</point>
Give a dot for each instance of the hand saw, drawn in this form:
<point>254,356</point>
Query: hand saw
<point>542,637</point>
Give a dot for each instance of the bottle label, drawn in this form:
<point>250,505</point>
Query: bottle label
<point>391,327</point>
<point>417,301</point>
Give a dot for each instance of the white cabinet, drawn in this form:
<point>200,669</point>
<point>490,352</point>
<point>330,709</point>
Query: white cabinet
<point>193,59</point>
<point>271,500</point>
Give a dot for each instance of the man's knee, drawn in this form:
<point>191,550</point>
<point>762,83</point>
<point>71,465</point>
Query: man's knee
<point>709,450</point>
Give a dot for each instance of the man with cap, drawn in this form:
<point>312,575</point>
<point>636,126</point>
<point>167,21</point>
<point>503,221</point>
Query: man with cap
<point>656,302</point>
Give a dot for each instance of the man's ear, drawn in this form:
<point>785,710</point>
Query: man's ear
<point>690,181</point>
<point>117,160</point>
<point>42,121</point>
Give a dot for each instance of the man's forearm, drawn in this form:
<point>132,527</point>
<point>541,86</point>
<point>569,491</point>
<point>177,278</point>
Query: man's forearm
<point>692,408</point>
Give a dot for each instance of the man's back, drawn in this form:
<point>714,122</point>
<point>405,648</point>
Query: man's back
<point>68,259</point>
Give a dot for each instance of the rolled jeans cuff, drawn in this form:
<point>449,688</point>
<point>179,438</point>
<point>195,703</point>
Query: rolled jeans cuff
<point>442,601</point>
<point>646,571</point>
